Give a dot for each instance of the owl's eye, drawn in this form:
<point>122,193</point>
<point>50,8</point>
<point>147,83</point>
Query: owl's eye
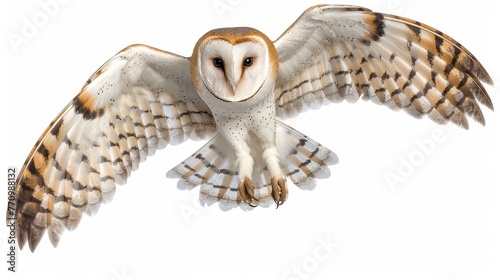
<point>218,62</point>
<point>248,61</point>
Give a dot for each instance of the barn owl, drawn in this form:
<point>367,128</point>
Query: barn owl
<point>234,90</point>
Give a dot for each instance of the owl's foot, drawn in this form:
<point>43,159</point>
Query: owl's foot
<point>246,190</point>
<point>279,191</point>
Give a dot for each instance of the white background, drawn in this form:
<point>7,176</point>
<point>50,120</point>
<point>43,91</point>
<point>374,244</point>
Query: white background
<point>440,223</point>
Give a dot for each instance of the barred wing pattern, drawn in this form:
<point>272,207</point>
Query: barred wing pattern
<point>335,53</point>
<point>139,101</point>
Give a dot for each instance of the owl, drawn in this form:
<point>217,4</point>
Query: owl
<point>234,91</point>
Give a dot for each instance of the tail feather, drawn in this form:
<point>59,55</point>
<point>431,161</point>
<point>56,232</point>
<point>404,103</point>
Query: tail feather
<point>305,159</point>
<point>214,168</point>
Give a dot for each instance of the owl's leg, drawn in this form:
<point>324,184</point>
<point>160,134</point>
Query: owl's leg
<point>245,168</point>
<point>278,186</point>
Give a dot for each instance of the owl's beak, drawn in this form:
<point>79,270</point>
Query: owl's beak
<point>233,80</point>
<point>234,75</point>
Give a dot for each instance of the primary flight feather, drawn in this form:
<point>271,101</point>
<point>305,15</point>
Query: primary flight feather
<point>233,90</point>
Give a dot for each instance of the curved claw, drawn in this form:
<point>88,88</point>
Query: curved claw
<point>246,190</point>
<point>279,191</point>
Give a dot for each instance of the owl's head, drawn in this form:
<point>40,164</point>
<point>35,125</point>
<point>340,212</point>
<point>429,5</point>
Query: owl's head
<point>234,64</point>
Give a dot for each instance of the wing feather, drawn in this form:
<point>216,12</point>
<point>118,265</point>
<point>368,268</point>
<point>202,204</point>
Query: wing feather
<point>139,101</point>
<point>344,52</point>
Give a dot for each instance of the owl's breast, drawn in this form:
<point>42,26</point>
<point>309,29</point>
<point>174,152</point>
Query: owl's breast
<point>236,124</point>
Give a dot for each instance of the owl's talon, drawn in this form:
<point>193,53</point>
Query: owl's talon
<point>246,190</point>
<point>279,191</point>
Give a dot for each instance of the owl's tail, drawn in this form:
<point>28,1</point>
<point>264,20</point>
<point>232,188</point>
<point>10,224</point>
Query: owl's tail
<point>215,169</point>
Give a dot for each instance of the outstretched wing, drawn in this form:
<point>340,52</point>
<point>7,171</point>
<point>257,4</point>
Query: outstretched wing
<point>335,53</point>
<point>139,101</point>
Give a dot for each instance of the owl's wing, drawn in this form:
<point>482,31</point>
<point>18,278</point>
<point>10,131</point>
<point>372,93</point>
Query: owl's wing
<point>139,101</point>
<point>335,53</point>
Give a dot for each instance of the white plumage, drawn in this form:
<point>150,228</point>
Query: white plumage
<point>232,90</point>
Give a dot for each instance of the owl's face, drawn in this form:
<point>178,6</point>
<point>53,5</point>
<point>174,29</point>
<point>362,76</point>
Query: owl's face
<point>233,64</point>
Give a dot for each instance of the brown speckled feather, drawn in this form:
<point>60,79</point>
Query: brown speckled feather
<point>335,53</point>
<point>132,106</point>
